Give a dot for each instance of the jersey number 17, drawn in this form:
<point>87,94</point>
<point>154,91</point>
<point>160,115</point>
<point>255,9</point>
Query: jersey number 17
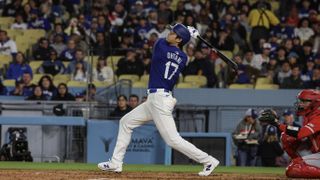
<point>166,72</point>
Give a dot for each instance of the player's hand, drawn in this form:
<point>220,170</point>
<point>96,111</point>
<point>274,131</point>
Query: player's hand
<point>269,116</point>
<point>193,32</point>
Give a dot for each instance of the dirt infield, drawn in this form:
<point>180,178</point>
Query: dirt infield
<point>98,175</point>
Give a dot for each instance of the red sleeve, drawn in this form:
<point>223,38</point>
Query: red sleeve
<point>311,128</point>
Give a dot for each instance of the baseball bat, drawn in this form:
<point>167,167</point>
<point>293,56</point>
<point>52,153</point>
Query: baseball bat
<point>227,60</point>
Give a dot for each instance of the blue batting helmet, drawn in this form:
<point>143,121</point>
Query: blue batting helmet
<point>182,32</point>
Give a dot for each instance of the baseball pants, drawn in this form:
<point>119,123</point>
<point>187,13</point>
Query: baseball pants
<point>158,107</point>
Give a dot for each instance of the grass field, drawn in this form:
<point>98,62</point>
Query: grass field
<point>138,168</point>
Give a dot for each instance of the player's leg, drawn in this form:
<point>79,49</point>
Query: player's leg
<point>131,120</point>
<point>161,108</point>
<point>305,167</point>
<point>290,145</point>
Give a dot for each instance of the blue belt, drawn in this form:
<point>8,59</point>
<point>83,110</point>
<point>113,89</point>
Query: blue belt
<point>154,90</point>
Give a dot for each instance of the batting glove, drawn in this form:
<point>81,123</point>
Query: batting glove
<point>193,32</point>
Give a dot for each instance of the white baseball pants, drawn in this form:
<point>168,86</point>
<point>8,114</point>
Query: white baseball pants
<point>158,107</point>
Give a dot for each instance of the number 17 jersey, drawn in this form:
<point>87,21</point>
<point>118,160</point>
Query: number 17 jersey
<point>167,63</point>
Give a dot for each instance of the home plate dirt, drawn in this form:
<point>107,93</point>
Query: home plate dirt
<point>98,175</point>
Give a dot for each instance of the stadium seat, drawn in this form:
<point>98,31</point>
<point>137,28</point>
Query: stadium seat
<point>35,65</point>
<point>23,44</point>
<point>34,34</point>
<point>140,84</point>
<point>196,79</point>
<point>187,85</point>
<point>76,84</point>
<point>144,78</point>
<point>228,54</point>
<point>101,84</point>
<point>66,63</point>
<point>5,60</point>
<point>112,61</point>
<point>241,86</point>
<point>36,77</point>
<point>267,86</point>
<point>133,78</point>
<point>62,77</point>
<point>9,82</point>
<point>264,80</point>
<point>14,33</point>
<point>5,22</point>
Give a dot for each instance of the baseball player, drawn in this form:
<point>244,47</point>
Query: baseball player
<point>296,140</point>
<point>168,61</point>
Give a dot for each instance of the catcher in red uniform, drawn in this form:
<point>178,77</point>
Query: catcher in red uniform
<point>307,138</point>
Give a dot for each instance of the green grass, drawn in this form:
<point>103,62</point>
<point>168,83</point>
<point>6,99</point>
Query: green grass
<point>137,168</point>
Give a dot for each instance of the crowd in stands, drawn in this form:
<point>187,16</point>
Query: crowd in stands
<point>278,40</point>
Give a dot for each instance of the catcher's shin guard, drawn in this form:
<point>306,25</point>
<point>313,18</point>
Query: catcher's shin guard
<point>299,169</point>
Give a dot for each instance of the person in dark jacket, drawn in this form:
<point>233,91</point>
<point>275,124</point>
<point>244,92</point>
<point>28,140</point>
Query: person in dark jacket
<point>63,94</point>
<point>3,89</point>
<point>53,65</point>
<point>122,107</point>
<point>294,81</point>
<point>42,52</point>
<point>37,95</point>
<point>47,86</point>
<point>130,65</point>
<point>269,149</point>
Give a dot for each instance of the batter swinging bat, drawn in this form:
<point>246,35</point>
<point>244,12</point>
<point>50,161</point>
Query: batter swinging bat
<point>230,62</point>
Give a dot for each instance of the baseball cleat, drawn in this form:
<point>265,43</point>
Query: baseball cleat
<point>109,166</point>
<point>209,167</point>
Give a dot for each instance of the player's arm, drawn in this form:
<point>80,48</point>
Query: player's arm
<point>269,116</point>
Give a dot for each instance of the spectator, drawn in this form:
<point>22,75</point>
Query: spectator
<point>37,95</point>
<point>26,13</point>
<point>79,58</point>
<point>270,148</point>
<point>306,52</point>
<point>18,67</point>
<point>239,33</point>
<point>160,29</point>
<point>7,45</point>
<point>305,8</point>
<point>79,73</point>
<point>315,82</point>
<point>3,89</point>
<point>38,22</point>
<point>74,28</point>
<point>18,89</point>
<point>19,24</point>
<point>69,53</point>
<point>165,14</point>
<point>122,107</point>
<point>307,71</point>
<point>289,118</point>
<point>58,44</point>
<point>283,73</point>
<point>133,101</point>
<point>281,55</point>
<point>13,8</point>
<point>225,41</point>
<point>242,76</point>
<point>259,59</point>
<point>303,31</point>
<point>28,86</point>
<point>58,30</point>
<point>246,137</point>
<point>63,94</point>
<point>42,52</point>
<point>294,81</point>
<point>293,59</point>
<point>193,6</point>
<point>202,66</point>
<point>130,65</point>
<point>47,86</point>
<point>101,47</point>
<point>261,19</point>
<point>91,95</point>
<point>102,72</point>
<point>282,30</point>
<point>52,66</point>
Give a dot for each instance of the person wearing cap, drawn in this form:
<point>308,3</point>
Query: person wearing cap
<point>269,148</point>
<point>262,58</point>
<point>168,61</point>
<point>245,137</point>
<point>288,118</point>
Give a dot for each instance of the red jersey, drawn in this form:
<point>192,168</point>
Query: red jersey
<point>310,130</point>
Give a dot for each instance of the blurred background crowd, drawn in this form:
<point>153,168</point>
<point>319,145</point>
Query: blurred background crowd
<point>47,44</point>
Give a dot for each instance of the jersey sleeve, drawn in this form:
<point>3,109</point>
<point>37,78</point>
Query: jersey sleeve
<point>312,127</point>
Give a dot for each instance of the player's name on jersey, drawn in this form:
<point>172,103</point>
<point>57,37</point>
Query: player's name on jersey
<point>174,56</point>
